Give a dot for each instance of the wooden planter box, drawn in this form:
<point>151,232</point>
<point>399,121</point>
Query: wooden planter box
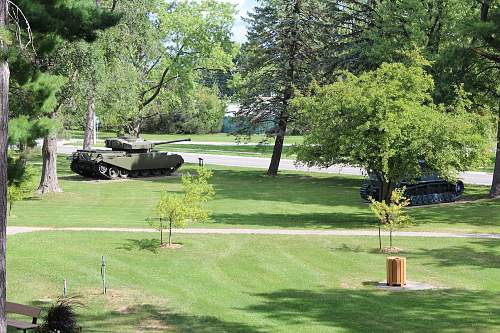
<point>396,271</point>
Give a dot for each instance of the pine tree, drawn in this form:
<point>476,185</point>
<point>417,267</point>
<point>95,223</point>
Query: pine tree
<point>285,40</point>
<point>49,21</point>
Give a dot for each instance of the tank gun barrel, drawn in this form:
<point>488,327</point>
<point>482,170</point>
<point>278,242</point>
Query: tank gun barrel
<point>173,141</point>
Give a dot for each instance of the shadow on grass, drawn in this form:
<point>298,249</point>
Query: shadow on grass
<point>151,245</point>
<point>300,188</point>
<point>480,213</point>
<point>382,311</point>
<point>486,256</point>
<point>361,220</point>
<point>152,318</point>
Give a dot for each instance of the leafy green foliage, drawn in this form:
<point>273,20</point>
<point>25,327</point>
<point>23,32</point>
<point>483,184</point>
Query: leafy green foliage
<point>385,121</point>
<point>157,54</point>
<point>199,111</point>
<point>21,180</point>
<point>281,55</point>
<point>23,132</point>
<point>178,209</point>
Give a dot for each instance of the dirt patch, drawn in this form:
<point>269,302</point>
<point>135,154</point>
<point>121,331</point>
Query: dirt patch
<point>172,246</point>
<point>391,250</point>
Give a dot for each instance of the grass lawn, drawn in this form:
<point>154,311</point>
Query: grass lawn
<point>259,283</point>
<point>218,137</point>
<point>245,198</point>
<point>241,150</point>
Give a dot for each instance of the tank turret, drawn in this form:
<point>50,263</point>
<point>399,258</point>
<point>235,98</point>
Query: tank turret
<point>136,145</point>
<point>126,157</point>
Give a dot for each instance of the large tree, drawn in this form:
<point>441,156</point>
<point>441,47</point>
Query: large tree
<point>282,55</point>
<point>4,120</point>
<point>385,121</point>
<point>160,47</point>
<point>484,29</point>
<point>40,77</point>
<point>49,21</point>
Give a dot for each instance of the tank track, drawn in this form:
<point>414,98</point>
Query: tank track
<point>107,171</point>
<point>366,191</point>
<point>420,194</point>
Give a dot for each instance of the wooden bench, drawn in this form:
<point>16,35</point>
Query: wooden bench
<point>25,310</point>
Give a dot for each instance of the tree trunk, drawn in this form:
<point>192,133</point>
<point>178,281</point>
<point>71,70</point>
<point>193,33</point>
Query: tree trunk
<point>170,234</point>
<point>379,237</point>
<point>133,128</point>
<point>386,191</point>
<point>495,185</point>
<point>390,238</point>
<point>278,148</point>
<point>4,121</point>
<point>49,182</point>
<point>161,232</point>
<point>89,123</point>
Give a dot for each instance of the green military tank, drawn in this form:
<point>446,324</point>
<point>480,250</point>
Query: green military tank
<point>126,157</point>
<point>426,190</point>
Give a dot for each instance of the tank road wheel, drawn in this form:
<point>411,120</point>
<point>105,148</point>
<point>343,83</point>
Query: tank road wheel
<point>102,170</point>
<point>123,173</point>
<point>145,173</point>
<point>134,173</point>
<point>156,172</point>
<point>426,199</point>
<point>113,172</point>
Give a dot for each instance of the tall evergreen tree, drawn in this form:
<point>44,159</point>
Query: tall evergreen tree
<point>49,21</point>
<point>52,23</point>
<point>486,44</point>
<point>282,55</point>
<point>4,120</point>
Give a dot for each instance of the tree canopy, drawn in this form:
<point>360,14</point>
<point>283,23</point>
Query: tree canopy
<point>385,121</point>
<point>157,54</point>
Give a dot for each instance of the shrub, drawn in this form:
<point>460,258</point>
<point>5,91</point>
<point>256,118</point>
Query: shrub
<point>61,316</point>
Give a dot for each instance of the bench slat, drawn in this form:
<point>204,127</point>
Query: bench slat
<point>20,324</point>
<point>22,309</point>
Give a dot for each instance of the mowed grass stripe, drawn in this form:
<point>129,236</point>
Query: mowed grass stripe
<point>240,283</point>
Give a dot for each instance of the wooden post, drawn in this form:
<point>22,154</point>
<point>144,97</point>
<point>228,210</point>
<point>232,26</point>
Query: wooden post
<point>396,271</point>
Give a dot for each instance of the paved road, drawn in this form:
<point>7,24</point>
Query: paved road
<point>294,232</point>
<point>478,178</point>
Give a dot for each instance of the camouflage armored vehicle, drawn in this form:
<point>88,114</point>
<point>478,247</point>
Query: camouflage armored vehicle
<point>428,189</point>
<point>126,157</point>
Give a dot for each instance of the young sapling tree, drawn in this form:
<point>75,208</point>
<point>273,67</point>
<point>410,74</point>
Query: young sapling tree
<point>176,210</point>
<point>391,215</point>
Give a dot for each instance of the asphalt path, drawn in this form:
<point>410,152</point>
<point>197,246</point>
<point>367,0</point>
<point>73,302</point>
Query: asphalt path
<point>477,178</point>
<point>290,232</point>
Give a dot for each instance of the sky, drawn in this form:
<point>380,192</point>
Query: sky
<point>239,28</point>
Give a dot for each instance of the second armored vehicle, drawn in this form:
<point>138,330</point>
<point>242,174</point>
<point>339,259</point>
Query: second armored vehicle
<point>428,189</point>
<point>126,157</point>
